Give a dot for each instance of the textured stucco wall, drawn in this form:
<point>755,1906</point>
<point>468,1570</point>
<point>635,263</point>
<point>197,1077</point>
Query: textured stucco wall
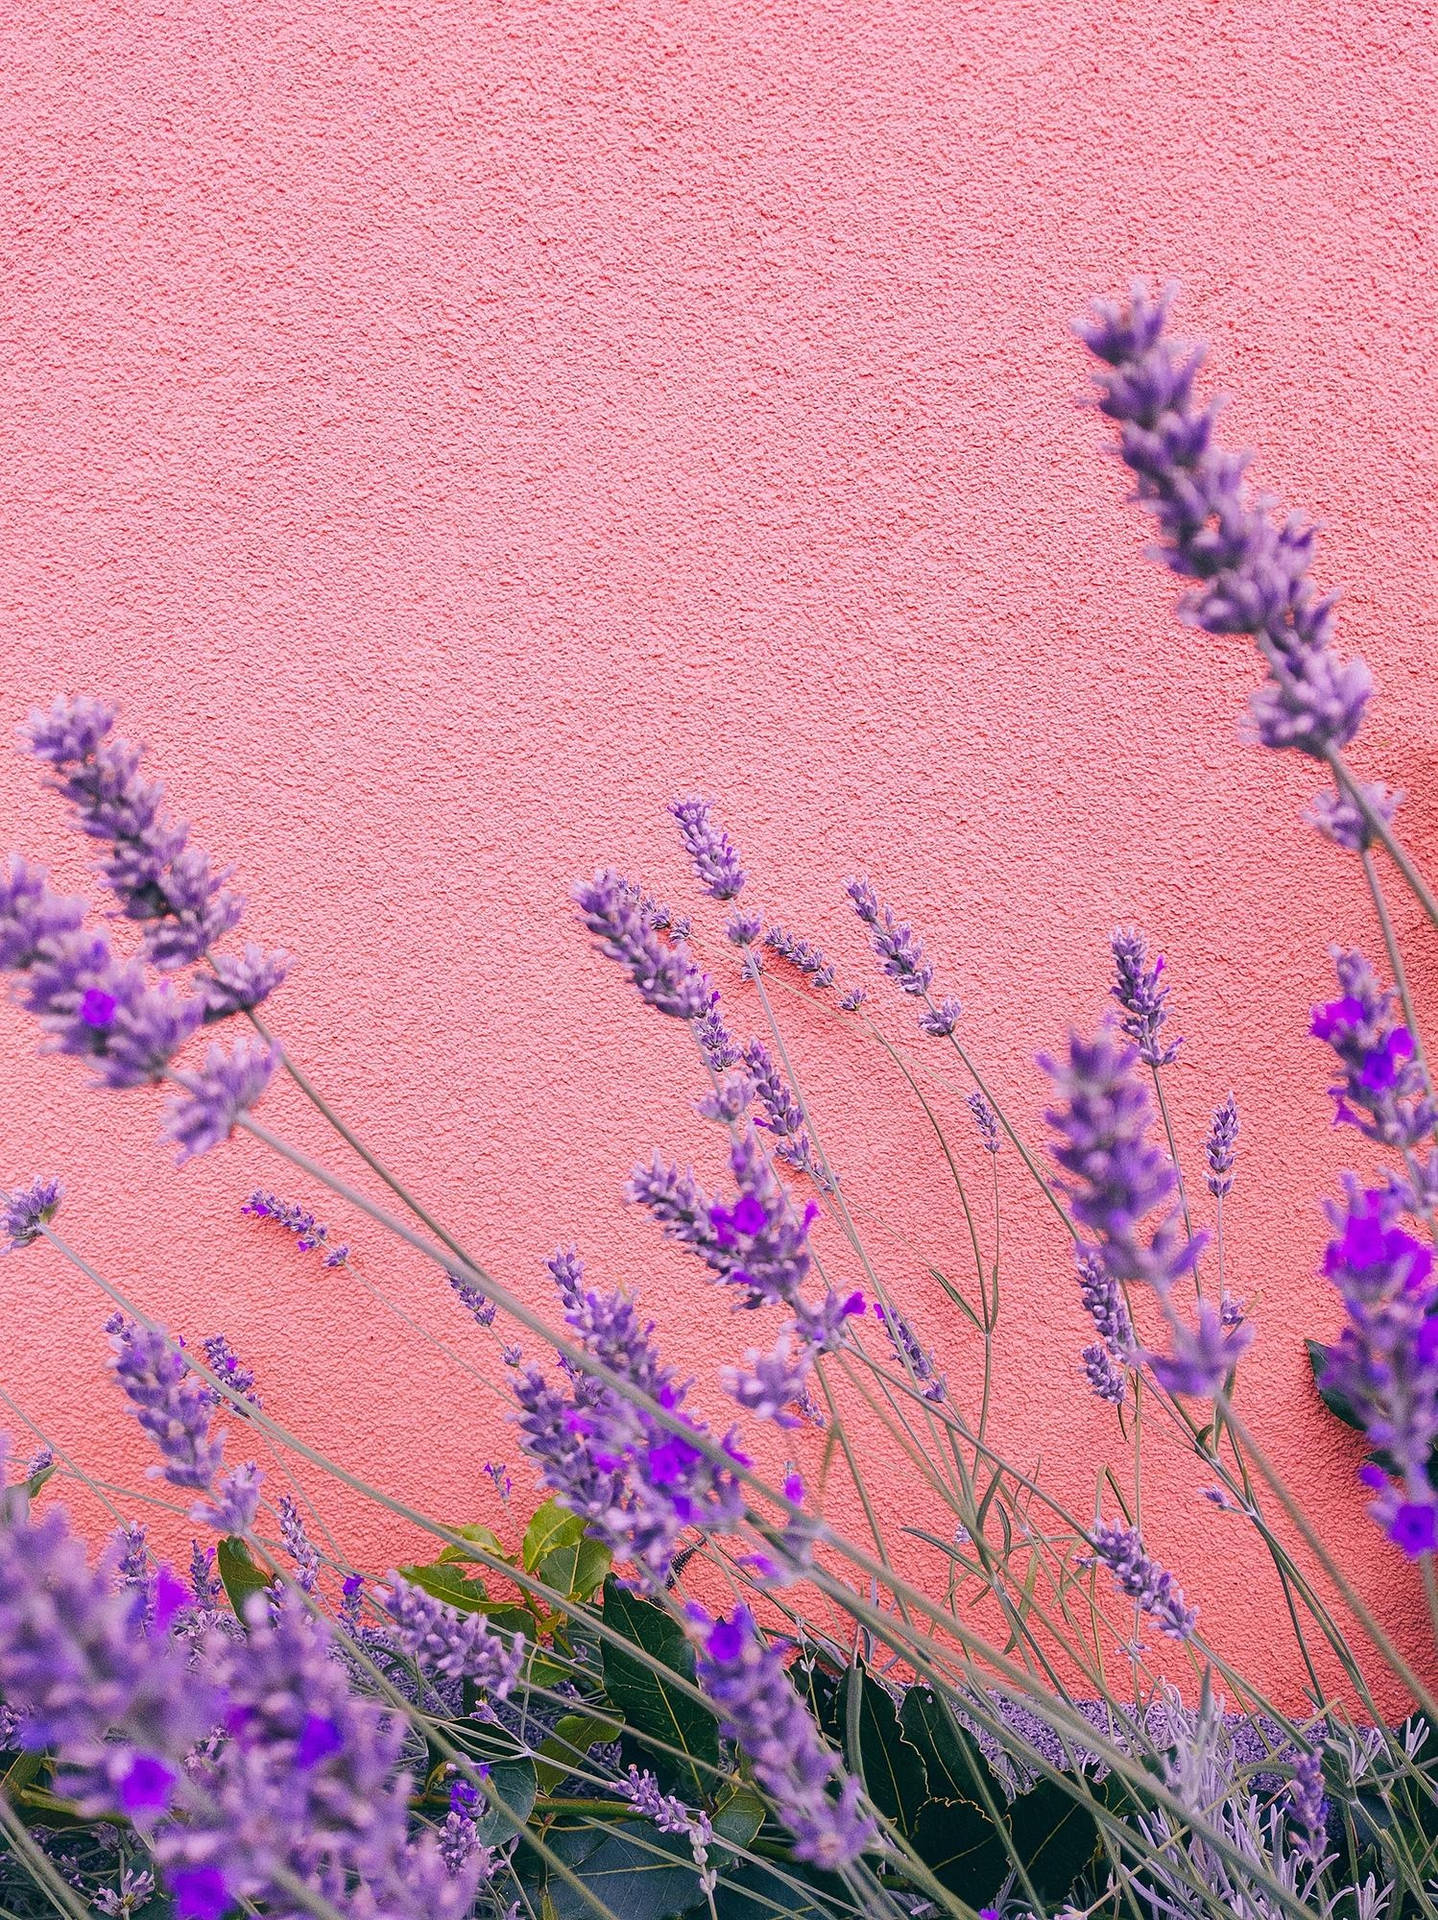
<point>450,429</point>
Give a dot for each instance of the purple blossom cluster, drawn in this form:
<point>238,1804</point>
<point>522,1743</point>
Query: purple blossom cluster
<point>1384,1092</point>
<point>451,1644</point>
<point>173,1404</point>
<point>801,954</point>
<point>26,1209</point>
<point>1385,1362</point>
<point>218,1095</point>
<point>1121,1550</point>
<point>478,1303</point>
<point>1340,819</point>
<point>985,1119</point>
<point>1116,1179</point>
<point>309,1232</point>
<point>910,1353</point>
<point>1307,1808</point>
<point>624,930</point>
<point>298,1545</point>
<point>1251,575</point>
<point>760,1710</point>
<point>1105,1361</point>
<point>900,951</point>
<point>782,1115</point>
<point>1138,990</point>
<point>711,852</point>
<point>635,1481</point>
<point>226,1364</point>
<point>1221,1149</point>
<point>670,1815</point>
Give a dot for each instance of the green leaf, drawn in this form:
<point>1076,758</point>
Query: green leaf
<point>1338,1404</point>
<point>577,1569</point>
<point>649,1704</point>
<point>638,1872</point>
<point>891,1769</point>
<point>756,1892</point>
<point>962,1848</point>
<point>482,1537</point>
<point>738,1813</point>
<point>239,1572</point>
<point>570,1741</point>
<point>516,1783</point>
<point>552,1526</point>
<point>949,1755</point>
<point>1055,1836</point>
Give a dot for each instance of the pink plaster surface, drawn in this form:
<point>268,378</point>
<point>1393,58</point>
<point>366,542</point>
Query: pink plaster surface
<point>452,429</point>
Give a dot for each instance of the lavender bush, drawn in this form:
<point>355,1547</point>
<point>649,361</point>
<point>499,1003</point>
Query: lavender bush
<point>689,1690</point>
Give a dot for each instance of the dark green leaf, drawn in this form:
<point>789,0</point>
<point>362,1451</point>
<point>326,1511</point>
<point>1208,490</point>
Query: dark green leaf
<point>755,1892</point>
<point>516,1785</point>
<point>575,1569</point>
<point>239,1572</point>
<point>650,1705</point>
<point>638,1872</point>
<point>552,1526</point>
<point>961,1847</point>
<point>1055,1836</point>
<point>949,1755</point>
<point>574,1734</point>
<point>891,1769</point>
<point>738,1813</point>
<point>1337,1403</point>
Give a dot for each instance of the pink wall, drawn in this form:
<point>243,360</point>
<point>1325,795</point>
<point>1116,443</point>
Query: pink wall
<point>450,429</point>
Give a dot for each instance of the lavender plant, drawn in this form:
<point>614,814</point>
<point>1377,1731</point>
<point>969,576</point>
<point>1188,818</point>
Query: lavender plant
<point>688,1688</point>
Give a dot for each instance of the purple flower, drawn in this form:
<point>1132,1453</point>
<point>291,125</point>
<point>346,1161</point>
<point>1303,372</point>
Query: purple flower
<point>1384,1093</point>
<point>351,1602</point>
<point>454,1645</point>
<point>904,1341</point>
<point>940,1021</point>
<point>851,1001</point>
<point>1137,990</point>
<point>672,1816</point>
<point>1121,1550</point>
<point>203,1583</point>
<point>664,974</point>
<point>90,1004</point>
<point>119,1708</point>
<point>761,1711</point>
<point>226,1363</point>
<point>986,1120</point>
<point>1104,1303</point>
<point>1200,1359</point>
<point>239,983</point>
<point>235,1501</point>
<point>769,1384</point>
<point>782,1115</point>
<point>900,951</point>
<point>1339,819</point>
<point>1307,1808</point>
<point>715,1041</point>
<point>40,1461</point>
<point>1232,1309</point>
<point>31,916</point>
<point>801,954</point>
<point>171,1402</point>
<point>1104,1376</point>
<point>298,1220</point>
<point>157,877</point>
<point>1222,1145</point>
<point>228,1085</point>
<point>728,1102</point>
<point>716,864</point>
<point>743,927</point>
<point>298,1545</point>
<point>27,1209</point>
<point>1385,1363</point>
<point>1252,575</point>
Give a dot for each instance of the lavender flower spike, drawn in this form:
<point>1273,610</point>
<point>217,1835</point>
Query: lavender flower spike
<point>1340,820</point>
<point>1108,1380</point>
<point>240,982</point>
<point>455,1645</point>
<point>1222,1145</point>
<point>228,1085</point>
<point>801,954</point>
<point>1384,1092</point>
<point>941,1021</point>
<point>1252,576</point>
<point>171,1402</point>
<point>26,1210</point>
<point>665,976</point>
<point>986,1120</point>
<point>716,864</point>
<point>761,1711</point>
<point>1121,1550</point>
<point>1137,990</point>
<point>900,951</point>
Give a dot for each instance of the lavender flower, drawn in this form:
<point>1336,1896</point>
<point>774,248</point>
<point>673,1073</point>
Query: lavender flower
<point>499,1478</point>
<point>1385,1363</point>
<point>1106,1378</point>
<point>454,1645</point>
<point>900,951</point>
<point>904,1341</point>
<point>743,927</point>
<point>986,1120</point>
<point>235,1501</point>
<point>157,877</point>
<point>728,1102</point>
<point>308,1231</point>
<point>90,1004</point>
<point>1138,992</point>
<point>714,1039</point>
<point>782,1116</point>
<point>298,1545</point>
<point>27,1209</point>
<point>716,864</point>
<point>1384,1092</point>
<point>761,1711</point>
<point>1252,575</point>
<point>1339,819</point>
<point>478,1303</point>
<point>851,1001</point>
<point>240,983</point>
<point>1307,1808</point>
<point>801,954</point>
<point>227,1086</point>
<point>940,1021</point>
<point>769,1384</point>
<point>203,1583</point>
<point>1221,1149</point>
<point>306,1787</point>
<point>226,1364</point>
<point>672,1816</point>
<point>40,1461</point>
<point>664,975</point>
<point>1232,1310</point>
<point>119,1708</point>
<point>171,1402</point>
<point>351,1603</point>
<point>1201,1358</point>
<point>1121,1550</point>
<point>32,918</point>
